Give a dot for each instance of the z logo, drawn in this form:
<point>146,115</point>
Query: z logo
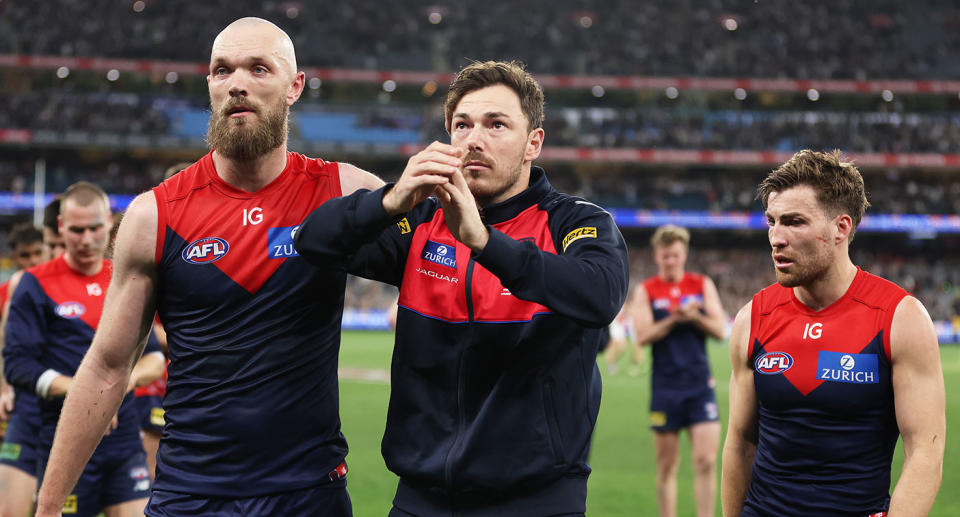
<point>404,226</point>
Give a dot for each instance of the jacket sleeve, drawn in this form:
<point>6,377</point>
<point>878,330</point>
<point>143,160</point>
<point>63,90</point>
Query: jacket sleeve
<point>25,335</point>
<point>355,234</point>
<point>587,280</point>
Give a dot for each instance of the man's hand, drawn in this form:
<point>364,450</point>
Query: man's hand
<point>688,312</point>
<point>425,171</point>
<point>6,401</point>
<point>461,213</point>
<point>114,422</point>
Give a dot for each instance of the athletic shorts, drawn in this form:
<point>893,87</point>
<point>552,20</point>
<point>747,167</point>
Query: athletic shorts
<point>20,446</point>
<point>672,410</point>
<point>107,479</point>
<point>149,413</point>
<point>327,500</point>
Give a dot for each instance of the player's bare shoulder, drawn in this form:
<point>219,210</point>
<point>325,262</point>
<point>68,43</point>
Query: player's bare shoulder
<point>353,178</point>
<point>740,335</point>
<point>137,236</point>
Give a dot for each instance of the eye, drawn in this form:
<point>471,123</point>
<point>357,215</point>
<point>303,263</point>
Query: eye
<point>498,124</point>
<point>459,125</point>
<point>220,70</point>
<point>259,69</point>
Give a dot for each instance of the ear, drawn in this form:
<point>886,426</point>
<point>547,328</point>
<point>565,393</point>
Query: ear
<point>844,225</point>
<point>296,88</point>
<point>60,224</point>
<point>534,145</point>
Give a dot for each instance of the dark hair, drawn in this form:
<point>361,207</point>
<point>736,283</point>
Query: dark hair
<point>512,74</point>
<point>24,233</point>
<point>838,184</point>
<point>50,214</point>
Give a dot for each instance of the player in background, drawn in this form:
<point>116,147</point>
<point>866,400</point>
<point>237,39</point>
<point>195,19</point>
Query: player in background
<point>620,341</point>
<point>252,405</point>
<point>53,242</point>
<point>17,454</point>
<point>830,365</point>
<point>676,311</point>
<point>53,314</point>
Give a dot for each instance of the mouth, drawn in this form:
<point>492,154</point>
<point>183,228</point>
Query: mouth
<point>239,111</point>
<point>475,165</point>
<point>781,261</point>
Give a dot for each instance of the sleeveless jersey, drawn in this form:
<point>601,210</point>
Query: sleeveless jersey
<point>53,317</point>
<point>680,358</point>
<point>251,404</point>
<point>825,401</point>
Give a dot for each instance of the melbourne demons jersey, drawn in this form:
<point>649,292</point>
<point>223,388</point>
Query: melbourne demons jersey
<point>251,402</point>
<point>53,316</point>
<point>825,401</point>
<point>680,358</point>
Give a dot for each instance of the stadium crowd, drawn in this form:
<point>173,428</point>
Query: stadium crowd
<point>815,40</point>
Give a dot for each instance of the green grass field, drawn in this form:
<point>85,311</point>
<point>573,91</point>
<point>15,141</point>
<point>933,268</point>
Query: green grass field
<point>622,483</point>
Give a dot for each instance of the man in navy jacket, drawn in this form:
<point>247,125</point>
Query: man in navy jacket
<point>505,285</point>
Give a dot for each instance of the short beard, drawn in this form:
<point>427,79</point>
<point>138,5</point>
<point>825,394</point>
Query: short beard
<point>486,197</point>
<point>232,138</point>
<point>807,275</point>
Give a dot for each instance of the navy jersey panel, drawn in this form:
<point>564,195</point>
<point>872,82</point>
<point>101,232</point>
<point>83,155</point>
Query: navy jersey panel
<point>680,358</point>
<point>495,388</point>
<point>827,425</point>
<point>252,403</point>
<point>53,316</point>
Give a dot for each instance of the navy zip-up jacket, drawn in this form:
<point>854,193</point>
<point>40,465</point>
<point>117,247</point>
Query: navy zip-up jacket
<point>495,388</point>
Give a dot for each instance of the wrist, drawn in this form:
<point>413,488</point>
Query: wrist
<point>480,242</point>
<point>390,203</point>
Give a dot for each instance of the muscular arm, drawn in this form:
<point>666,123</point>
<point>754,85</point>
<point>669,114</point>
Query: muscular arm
<point>101,380</point>
<point>713,320</point>
<point>647,330</point>
<point>742,434</point>
<point>918,393</point>
<point>353,178</point>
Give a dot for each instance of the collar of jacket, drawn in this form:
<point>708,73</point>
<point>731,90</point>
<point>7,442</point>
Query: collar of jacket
<point>506,210</point>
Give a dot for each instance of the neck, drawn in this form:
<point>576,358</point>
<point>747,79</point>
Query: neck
<point>84,269</point>
<point>828,288</point>
<point>251,175</point>
<point>666,277</point>
<point>522,183</point>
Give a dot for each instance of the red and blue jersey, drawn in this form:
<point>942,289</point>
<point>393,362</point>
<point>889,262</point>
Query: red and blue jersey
<point>495,386</point>
<point>680,358</point>
<point>827,427</point>
<point>54,314</point>
<point>251,404</point>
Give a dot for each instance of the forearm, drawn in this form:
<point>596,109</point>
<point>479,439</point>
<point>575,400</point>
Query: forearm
<point>148,369</point>
<point>737,468</point>
<point>919,481</point>
<point>340,226</point>
<point>93,400</point>
<point>590,287</point>
<point>710,325</point>
<point>655,331</point>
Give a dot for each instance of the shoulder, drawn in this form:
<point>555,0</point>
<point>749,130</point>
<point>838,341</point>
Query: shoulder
<point>353,178</point>
<point>912,334</point>
<point>185,181</point>
<point>771,297</point>
<point>879,292</point>
<point>560,204</point>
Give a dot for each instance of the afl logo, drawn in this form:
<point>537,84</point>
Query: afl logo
<point>772,363</point>
<point>71,310</point>
<point>205,250</point>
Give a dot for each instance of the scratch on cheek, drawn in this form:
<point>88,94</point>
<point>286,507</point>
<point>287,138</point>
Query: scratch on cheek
<point>822,239</point>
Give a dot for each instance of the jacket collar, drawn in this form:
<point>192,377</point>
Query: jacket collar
<point>506,210</point>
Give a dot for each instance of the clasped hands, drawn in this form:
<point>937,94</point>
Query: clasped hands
<point>438,170</point>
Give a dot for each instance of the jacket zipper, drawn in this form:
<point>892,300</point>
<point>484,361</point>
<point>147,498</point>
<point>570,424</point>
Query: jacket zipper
<point>468,288</point>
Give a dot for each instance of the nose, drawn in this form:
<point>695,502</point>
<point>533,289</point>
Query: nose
<point>474,140</point>
<point>776,235</point>
<point>237,91</point>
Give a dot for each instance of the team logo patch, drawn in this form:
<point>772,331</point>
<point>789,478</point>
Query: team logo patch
<point>70,505</point>
<point>580,233</point>
<point>404,226</point>
<point>156,416</point>
<point>661,303</point>
<point>205,250</point>
<point>442,254</point>
<point>772,363</point>
<point>658,418</point>
<point>849,368</point>
<point>280,242</point>
<point>9,451</point>
<point>70,310</point>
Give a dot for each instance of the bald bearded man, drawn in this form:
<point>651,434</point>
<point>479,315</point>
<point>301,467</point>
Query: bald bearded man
<point>252,412</point>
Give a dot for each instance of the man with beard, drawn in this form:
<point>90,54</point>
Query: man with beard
<point>830,365</point>
<point>251,407</point>
<point>505,285</point>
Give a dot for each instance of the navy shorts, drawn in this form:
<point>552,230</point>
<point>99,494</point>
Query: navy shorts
<point>21,444</point>
<point>108,478</point>
<point>149,413</point>
<point>672,410</point>
<point>327,500</point>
